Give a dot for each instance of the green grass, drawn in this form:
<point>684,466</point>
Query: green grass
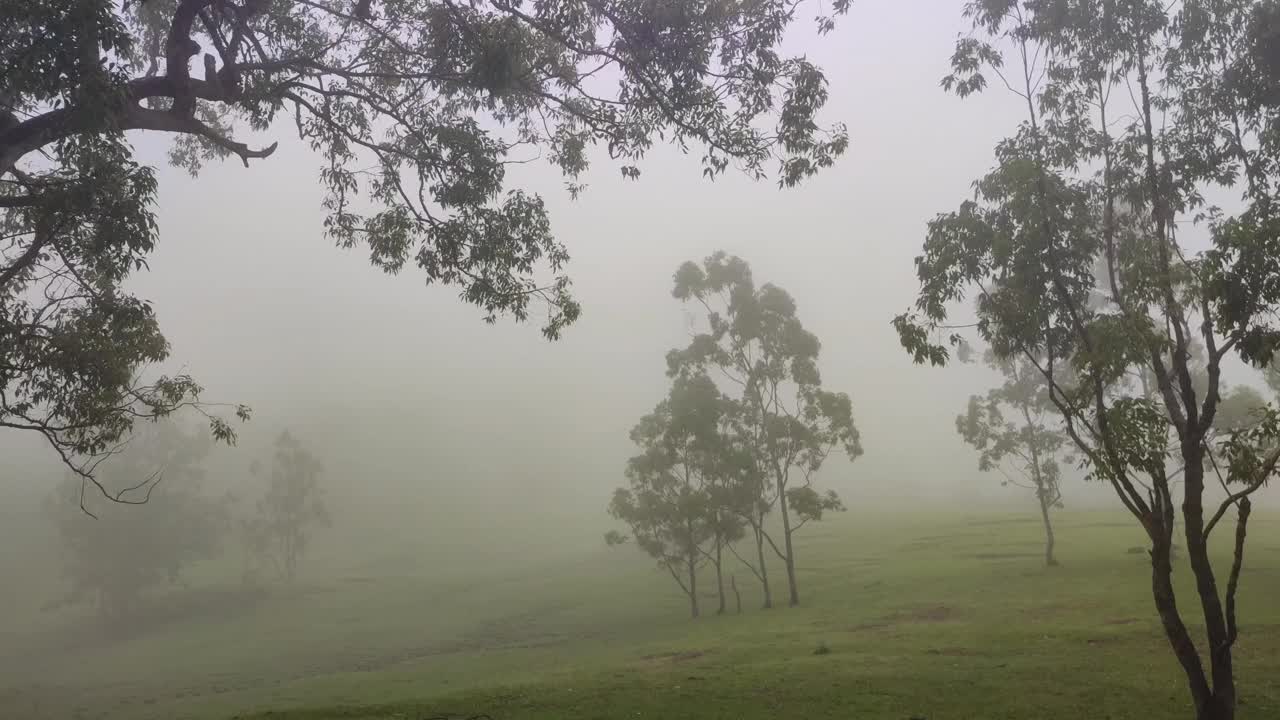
<point>925,616</point>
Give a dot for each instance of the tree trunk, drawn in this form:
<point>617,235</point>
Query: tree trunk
<point>1042,489</point>
<point>719,576</point>
<point>1049,558</point>
<point>1175,630</point>
<point>737,597</point>
<point>1223,702</point>
<point>693,585</point>
<point>790,552</point>
<point>764,570</point>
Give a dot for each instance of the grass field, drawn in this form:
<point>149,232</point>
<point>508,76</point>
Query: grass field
<point>925,616</point>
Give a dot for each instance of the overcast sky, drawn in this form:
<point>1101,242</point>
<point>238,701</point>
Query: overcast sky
<point>402,386</point>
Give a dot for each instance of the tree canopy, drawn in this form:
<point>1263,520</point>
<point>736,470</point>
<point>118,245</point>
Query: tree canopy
<point>414,110</point>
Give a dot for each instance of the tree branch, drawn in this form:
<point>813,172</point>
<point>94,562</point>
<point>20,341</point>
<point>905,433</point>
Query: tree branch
<point>1233,581</point>
<point>1268,467</point>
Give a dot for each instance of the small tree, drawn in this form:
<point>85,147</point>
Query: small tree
<point>668,504</point>
<point>290,507</point>
<point>114,553</point>
<point>788,423</point>
<point>1027,445</point>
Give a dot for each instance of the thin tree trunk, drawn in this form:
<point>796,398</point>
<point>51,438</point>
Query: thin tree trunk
<point>1049,558</point>
<point>719,576</point>
<point>693,585</point>
<point>790,555</point>
<point>1042,491</point>
<point>764,569</point>
<point>737,597</point>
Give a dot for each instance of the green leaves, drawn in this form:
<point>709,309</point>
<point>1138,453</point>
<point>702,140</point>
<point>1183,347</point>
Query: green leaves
<point>809,504</point>
<point>414,109</point>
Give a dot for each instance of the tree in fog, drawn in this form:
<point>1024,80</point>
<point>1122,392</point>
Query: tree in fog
<point>112,554</point>
<point>667,503</point>
<point>1132,115</point>
<point>727,526</point>
<point>748,493</point>
<point>413,109</point>
<point>1015,432</point>
<point>756,343</point>
<point>291,507</point>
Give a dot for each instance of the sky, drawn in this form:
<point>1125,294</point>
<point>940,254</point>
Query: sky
<point>408,394</point>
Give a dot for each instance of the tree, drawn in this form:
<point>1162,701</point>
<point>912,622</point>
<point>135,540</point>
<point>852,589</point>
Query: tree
<point>668,503</point>
<point>1027,443</point>
<point>415,109</point>
<point>746,492</point>
<point>755,341</point>
<point>727,525</point>
<point>113,554</point>
<point>1086,179</point>
<point>291,506</point>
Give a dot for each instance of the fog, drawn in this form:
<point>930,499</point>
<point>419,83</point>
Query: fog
<point>424,416</point>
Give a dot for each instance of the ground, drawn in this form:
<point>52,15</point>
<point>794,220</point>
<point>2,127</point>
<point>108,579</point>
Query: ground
<point>925,616</point>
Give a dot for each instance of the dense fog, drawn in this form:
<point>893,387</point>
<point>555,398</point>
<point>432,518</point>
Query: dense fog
<point>447,441</point>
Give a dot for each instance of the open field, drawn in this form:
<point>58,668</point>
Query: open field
<point>926,616</point>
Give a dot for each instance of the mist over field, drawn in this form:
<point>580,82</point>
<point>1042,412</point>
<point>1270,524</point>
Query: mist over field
<point>412,523</point>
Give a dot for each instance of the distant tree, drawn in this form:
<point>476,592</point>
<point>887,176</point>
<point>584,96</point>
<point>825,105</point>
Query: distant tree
<point>113,554</point>
<point>1132,115</point>
<point>291,506</point>
<point>1013,429</point>
<point>1241,408</point>
<point>757,344</point>
<point>414,110</point>
<point>667,503</point>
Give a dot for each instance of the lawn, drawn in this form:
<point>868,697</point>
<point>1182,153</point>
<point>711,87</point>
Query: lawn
<point>924,616</point>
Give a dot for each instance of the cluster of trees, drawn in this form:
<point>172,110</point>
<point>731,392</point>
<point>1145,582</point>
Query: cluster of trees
<point>736,444</point>
<point>1134,115</point>
<point>113,554</point>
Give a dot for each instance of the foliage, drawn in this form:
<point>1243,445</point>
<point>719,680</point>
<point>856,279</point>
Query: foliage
<point>785,422</point>
<point>1088,182</point>
<point>414,108</point>
<point>113,554</point>
<point>290,508</point>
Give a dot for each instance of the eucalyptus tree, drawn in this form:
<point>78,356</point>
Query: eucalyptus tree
<point>668,503</point>
<point>1013,429</point>
<point>1133,113</point>
<point>413,109</point>
<point>756,343</point>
